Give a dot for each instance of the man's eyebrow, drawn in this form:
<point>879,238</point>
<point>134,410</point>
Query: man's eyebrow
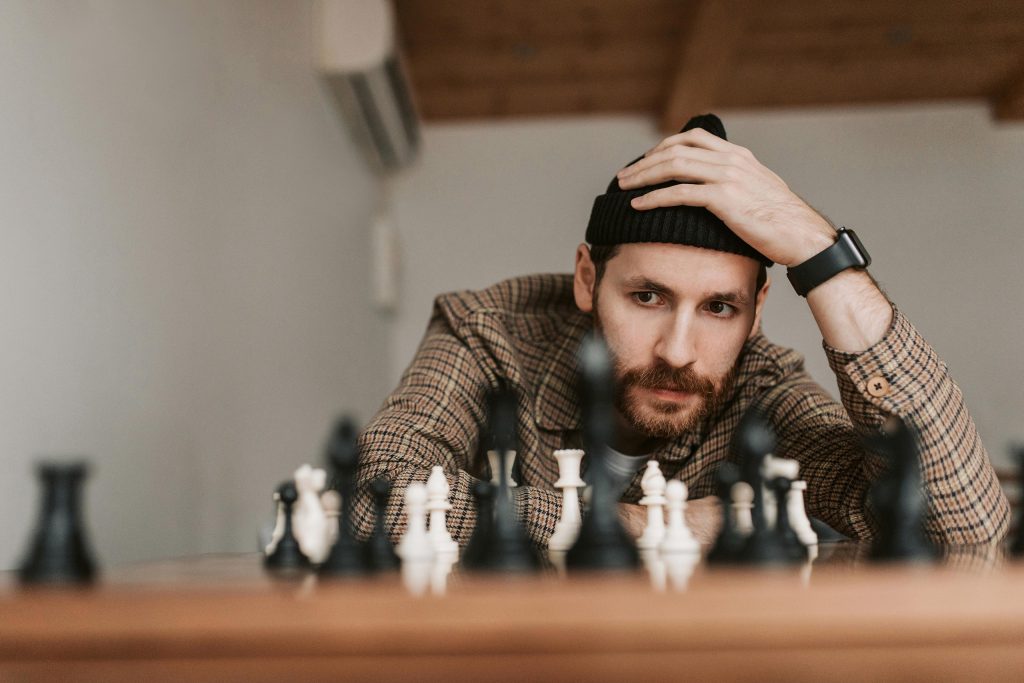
<point>738,298</point>
<point>641,282</point>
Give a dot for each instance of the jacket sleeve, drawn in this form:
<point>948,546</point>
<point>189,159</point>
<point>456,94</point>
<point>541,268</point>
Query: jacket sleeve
<point>435,417</point>
<point>900,375</point>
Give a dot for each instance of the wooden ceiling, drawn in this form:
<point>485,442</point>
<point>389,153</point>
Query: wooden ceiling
<point>471,59</point>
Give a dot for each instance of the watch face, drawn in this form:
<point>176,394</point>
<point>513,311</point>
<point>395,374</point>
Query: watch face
<point>858,249</point>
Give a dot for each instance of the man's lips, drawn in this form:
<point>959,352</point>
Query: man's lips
<point>669,394</point>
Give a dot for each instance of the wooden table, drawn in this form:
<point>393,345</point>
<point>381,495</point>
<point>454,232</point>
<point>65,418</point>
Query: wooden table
<point>220,618</point>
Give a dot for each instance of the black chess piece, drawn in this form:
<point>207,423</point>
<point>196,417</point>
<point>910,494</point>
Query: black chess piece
<point>348,556</point>
<point>481,539</point>
<point>794,549</point>
<point>287,558</point>
<point>752,443</point>
<point>379,551</point>
<point>59,551</point>
<point>1017,545</point>
<point>729,541</point>
<point>508,548</point>
<point>898,498</point>
<point>603,543</point>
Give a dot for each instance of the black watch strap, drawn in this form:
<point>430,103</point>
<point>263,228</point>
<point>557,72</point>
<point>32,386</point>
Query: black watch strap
<point>847,252</point>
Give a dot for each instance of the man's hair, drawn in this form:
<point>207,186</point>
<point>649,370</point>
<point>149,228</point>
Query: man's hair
<point>601,254</point>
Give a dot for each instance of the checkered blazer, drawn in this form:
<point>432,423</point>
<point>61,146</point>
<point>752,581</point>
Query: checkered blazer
<point>525,332</point>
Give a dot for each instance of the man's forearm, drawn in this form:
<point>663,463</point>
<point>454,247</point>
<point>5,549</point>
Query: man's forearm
<point>851,311</point>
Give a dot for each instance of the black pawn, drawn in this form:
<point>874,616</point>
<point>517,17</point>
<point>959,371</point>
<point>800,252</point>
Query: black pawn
<point>287,557</point>
<point>380,553</point>
<point>509,548</point>
<point>753,442</point>
<point>898,499</point>
<point>59,552</point>
<point>794,549</point>
<point>483,532</point>
<point>348,556</point>
<point>603,543</point>
<point>729,542</point>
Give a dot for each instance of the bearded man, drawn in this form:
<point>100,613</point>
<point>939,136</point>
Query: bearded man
<point>674,278</point>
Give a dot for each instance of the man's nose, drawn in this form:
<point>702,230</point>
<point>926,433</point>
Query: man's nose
<point>677,345</point>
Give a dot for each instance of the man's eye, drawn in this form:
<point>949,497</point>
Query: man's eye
<point>721,309</point>
<point>647,298</point>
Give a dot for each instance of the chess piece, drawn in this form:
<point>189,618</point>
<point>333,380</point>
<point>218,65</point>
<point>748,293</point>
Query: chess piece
<point>509,548</point>
<point>603,543</point>
<point>379,552</point>
<point>287,558</point>
<point>1017,545</point>
<point>742,508</point>
<point>59,551</point>
<point>568,525</point>
<point>775,467</point>
<point>310,519</point>
<point>653,486</point>
<point>483,532</point>
<point>678,537</point>
<point>795,551</point>
<point>347,556</point>
<point>415,548</point>
<point>494,462</point>
<point>898,498</point>
<point>729,542</point>
<point>798,518</point>
<point>752,444</point>
<point>330,501</point>
<point>437,507</point>
<point>278,531</point>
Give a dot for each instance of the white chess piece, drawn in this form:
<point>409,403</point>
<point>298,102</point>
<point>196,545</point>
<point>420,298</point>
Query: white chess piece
<point>415,548</point>
<point>742,495</point>
<point>438,506</point>
<point>678,568</point>
<point>653,485</point>
<point>798,518</point>
<point>568,526</point>
<point>308,518</point>
<point>331,502</point>
<point>495,462</point>
<point>678,537</point>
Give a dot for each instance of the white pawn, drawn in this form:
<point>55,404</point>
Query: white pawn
<point>331,501</point>
<point>678,537</point>
<point>775,467</point>
<point>278,531</point>
<point>568,526</point>
<point>494,459</point>
<point>743,507</point>
<point>798,518</point>
<point>653,486</point>
<point>308,518</point>
<point>415,548</point>
<point>438,506</point>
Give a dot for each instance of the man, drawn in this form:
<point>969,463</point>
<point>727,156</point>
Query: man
<point>674,278</point>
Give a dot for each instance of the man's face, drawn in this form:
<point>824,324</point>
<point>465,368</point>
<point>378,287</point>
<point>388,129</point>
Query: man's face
<point>675,319</point>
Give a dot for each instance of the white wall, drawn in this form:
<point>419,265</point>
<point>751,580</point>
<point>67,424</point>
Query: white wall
<point>934,192</point>
<point>183,265</point>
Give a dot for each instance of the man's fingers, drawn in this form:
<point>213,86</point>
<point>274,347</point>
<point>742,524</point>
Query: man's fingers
<point>668,154</point>
<point>698,137</point>
<point>677,195</point>
<point>674,168</point>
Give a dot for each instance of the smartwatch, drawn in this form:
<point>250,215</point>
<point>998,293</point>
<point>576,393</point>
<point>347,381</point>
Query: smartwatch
<point>847,252</point>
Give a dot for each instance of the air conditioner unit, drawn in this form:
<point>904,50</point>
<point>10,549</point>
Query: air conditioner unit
<point>359,59</point>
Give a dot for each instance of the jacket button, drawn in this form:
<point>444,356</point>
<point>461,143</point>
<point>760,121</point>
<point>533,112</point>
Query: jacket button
<point>878,386</point>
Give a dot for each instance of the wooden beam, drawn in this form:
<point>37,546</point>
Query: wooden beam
<point>709,46</point>
<point>1008,104</point>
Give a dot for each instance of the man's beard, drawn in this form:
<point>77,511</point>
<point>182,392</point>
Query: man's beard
<point>668,419</point>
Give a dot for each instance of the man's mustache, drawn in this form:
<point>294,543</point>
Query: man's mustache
<point>665,377</point>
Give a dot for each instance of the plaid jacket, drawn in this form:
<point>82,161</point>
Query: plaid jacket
<point>526,331</point>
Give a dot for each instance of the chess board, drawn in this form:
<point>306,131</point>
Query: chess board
<point>222,618</point>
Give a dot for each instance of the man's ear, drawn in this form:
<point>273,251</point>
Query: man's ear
<point>759,306</point>
<point>583,279</point>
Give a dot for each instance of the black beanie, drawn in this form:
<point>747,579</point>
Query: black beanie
<point>614,221</point>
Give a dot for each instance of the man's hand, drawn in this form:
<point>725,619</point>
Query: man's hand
<point>703,516</point>
<point>754,202</point>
